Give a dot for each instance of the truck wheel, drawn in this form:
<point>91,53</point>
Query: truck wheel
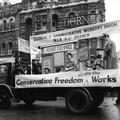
<point>5,102</point>
<point>29,102</point>
<point>98,100</point>
<point>78,101</point>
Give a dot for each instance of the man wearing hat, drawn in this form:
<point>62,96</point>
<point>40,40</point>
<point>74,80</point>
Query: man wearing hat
<point>97,66</point>
<point>91,63</point>
<point>110,53</point>
<point>111,57</point>
<point>99,60</point>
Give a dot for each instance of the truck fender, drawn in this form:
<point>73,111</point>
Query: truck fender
<point>8,88</point>
<point>87,91</point>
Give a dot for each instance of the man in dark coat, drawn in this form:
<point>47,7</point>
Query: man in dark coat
<point>111,58</point>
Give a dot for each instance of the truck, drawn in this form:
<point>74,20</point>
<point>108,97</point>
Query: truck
<point>63,59</point>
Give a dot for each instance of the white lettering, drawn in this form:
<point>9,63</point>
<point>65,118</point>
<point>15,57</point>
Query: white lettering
<point>76,21</point>
<point>65,47</point>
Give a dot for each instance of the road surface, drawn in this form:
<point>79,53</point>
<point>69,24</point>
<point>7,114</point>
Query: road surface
<point>57,111</point>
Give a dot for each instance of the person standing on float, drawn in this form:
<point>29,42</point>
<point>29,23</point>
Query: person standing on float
<point>110,54</point>
<point>111,58</point>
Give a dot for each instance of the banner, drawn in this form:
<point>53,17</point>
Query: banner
<point>35,53</point>
<point>23,45</point>
<point>7,60</point>
<point>59,48</point>
<point>74,34</point>
<point>100,78</point>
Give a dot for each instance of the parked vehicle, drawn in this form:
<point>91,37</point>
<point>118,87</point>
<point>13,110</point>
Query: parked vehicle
<point>67,69</point>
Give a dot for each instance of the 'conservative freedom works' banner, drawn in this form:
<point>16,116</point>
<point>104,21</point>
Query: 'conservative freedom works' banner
<point>102,78</point>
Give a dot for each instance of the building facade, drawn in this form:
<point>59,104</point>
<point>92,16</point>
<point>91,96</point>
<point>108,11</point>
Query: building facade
<point>9,28</point>
<point>34,17</point>
<point>43,17</point>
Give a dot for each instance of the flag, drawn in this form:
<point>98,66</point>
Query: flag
<point>23,45</point>
<point>35,53</point>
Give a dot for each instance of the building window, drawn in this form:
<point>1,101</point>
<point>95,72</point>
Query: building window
<point>96,17</point>
<point>3,47</point>
<point>54,22</point>
<point>100,16</point>
<point>1,26</point>
<point>10,46</point>
<point>5,24</point>
<point>28,25</point>
<point>12,23</point>
<point>37,22</point>
<point>44,22</point>
<point>44,26</point>
<point>92,17</point>
<point>41,22</point>
<point>34,4</point>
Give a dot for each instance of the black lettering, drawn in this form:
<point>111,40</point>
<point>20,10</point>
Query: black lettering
<point>18,82</point>
<point>71,80</point>
<point>105,79</point>
<point>109,79</point>
<point>94,79</point>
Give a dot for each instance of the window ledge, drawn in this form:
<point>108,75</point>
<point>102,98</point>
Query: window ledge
<point>10,30</point>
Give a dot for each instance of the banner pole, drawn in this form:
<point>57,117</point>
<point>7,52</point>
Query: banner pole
<point>31,57</point>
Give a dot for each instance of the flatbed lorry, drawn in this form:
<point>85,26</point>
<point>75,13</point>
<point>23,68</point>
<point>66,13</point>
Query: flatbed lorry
<point>82,89</point>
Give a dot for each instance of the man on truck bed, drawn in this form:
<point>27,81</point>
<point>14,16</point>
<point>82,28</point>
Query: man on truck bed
<point>111,57</point>
<point>110,53</point>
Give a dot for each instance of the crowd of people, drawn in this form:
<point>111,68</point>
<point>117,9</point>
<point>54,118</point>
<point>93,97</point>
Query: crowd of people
<point>95,63</point>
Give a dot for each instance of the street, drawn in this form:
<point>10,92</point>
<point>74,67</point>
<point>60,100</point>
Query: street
<point>56,110</point>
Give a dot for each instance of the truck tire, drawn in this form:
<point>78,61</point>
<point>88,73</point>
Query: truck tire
<point>98,100</point>
<point>29,102</point>
<point>78,101</point>
<point>28,97</point>
<point>5,102</point>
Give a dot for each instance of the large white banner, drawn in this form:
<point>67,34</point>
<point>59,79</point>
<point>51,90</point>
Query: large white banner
<point>74,34</point>
<point>23,45</point>
<point>7,60</point>
<point>100,78</point>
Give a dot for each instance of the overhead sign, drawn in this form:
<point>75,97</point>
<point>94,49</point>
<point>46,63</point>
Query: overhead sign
<point>59,48</point>
<point>75,21</point>
<point>7,60</point>
<point>100,78</point>
<point>23,45</point>
<point>74,34</point>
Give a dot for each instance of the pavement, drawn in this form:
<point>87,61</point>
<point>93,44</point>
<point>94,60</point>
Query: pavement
<point>56,110</point>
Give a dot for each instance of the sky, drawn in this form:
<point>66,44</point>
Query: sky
<point>112,13</point>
